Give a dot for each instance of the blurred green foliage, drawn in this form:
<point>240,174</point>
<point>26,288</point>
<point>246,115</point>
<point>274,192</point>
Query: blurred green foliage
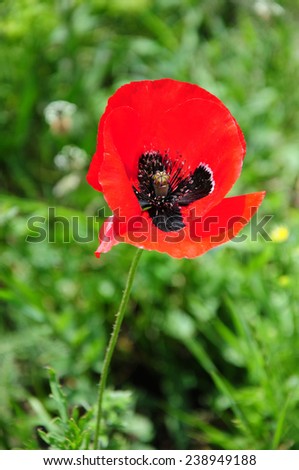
<point>209,350</point>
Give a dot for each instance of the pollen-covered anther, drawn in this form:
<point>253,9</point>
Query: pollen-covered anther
<point>161,183</point>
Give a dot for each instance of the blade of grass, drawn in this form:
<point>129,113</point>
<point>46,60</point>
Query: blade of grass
<point>223,386</point>
<point>280,425</point>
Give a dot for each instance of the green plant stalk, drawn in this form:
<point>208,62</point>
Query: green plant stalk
<point>112,343</point>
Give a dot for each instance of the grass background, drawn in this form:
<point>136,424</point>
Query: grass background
<point>209,350</point>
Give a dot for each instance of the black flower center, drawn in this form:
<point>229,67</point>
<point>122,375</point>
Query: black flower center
<point>165,186</point>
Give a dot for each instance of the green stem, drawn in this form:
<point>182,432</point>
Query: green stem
<point>112,343</point>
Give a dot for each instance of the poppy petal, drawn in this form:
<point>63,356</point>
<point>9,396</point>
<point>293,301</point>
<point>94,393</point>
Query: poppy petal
<point>204,132</point>
<point>117,187</point>
<point>223,222</point>
<point>92,176</point>
<point>150,98</point>
<point>201,234</point>
<point>122,130</point>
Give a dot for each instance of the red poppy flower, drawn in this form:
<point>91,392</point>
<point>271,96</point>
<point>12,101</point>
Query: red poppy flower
<point>167,154</point>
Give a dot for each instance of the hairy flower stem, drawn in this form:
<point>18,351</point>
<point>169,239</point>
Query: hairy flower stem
<point>112,343</point>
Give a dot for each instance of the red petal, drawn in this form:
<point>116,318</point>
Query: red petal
<point>218,226</point>
<point>121,133</point>
<point>224,221</point>
<point>122,139</point>
<point>93,172</point>
<point>96,162</point>
<point>151,99</point>
<point>204,132</point>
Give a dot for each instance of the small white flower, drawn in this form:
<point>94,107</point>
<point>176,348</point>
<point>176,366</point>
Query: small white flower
<point>70,158</point>
<point>58,115</point>
<point>57,109</point>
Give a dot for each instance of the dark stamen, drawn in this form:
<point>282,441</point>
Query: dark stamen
<point>165,186</point>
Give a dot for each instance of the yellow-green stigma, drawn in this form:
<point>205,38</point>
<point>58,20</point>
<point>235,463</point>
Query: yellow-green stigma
<point>161,183</point>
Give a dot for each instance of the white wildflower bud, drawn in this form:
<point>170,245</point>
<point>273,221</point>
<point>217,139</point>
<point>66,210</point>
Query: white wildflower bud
<point>59,116</point>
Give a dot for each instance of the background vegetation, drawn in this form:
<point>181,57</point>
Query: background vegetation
<point>209,351</point>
